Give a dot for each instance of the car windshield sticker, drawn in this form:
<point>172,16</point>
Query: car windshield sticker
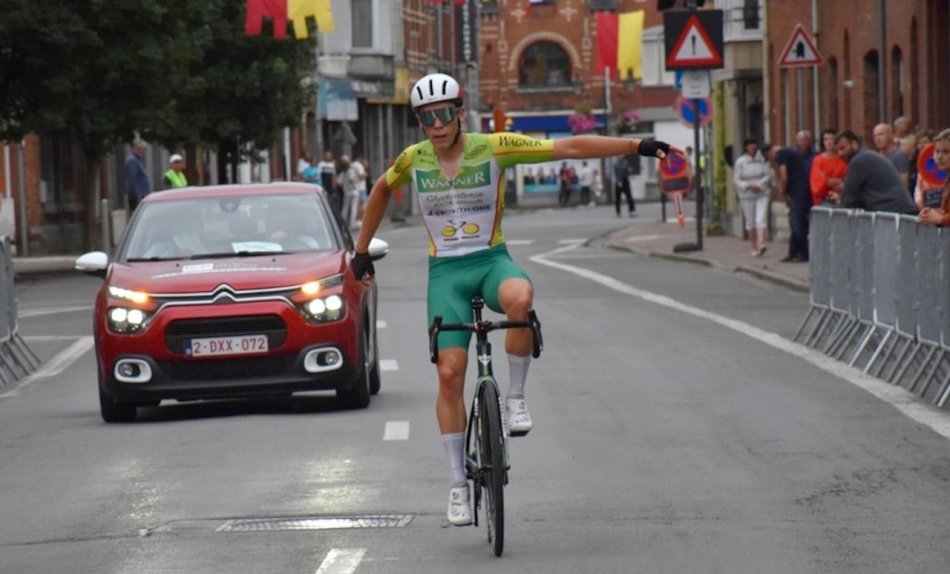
<point>256,246</point>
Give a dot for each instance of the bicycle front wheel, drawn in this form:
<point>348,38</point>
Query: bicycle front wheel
<point>494,471</point>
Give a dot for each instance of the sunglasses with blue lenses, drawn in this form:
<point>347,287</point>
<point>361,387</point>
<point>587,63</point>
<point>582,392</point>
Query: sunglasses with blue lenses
<point>444,115</point>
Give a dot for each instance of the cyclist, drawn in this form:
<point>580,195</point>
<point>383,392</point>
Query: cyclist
<point>460,182</point>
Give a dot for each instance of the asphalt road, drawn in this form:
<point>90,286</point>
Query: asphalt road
<point>674,432</point>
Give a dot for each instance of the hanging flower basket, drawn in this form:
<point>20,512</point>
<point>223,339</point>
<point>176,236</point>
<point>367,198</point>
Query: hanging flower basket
<point>628,122</point>
<point>582,120</point>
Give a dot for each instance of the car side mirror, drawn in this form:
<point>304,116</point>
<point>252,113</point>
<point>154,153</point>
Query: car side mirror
<point>378,249</point>
<point>94,263</point>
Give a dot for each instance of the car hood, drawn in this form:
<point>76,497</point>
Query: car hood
<point>262,272</point>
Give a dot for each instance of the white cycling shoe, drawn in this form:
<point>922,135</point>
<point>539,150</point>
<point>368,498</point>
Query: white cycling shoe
<point>519,420</point>
<point>460,510</point>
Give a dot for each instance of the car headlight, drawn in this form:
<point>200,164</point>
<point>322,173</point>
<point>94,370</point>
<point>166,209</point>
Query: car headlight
<point>138,297</point>
<point>126,321</point>
<point>324,309</point>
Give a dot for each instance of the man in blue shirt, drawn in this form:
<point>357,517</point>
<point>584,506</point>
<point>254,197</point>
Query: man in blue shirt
<point>137,182</point>
<point>793,186</point>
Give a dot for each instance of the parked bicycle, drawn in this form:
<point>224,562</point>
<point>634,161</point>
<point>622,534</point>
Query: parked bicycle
<point>486,436</point>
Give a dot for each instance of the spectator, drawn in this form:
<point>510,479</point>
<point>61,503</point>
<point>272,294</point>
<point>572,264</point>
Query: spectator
<point>175,176</point>
<point>884,143</point>
<point>752,180</point>
<point>940,215</point>
<point>352,177</point>
<point>622,187</point>
<point>827,172</point>
<point>327,171</point>
<point>566,180</point>
<point>902,129</point>
<point>585,176</point>
<point>805,144</point>
<point>793,186</point>
<point>872,183</point>
<point>137,182</point>
<point>303,162</point>
<point>908,147</point>
<point>922,190</point>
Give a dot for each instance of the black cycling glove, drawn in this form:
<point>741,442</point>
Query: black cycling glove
<point>650,146</point>
<point>361,264</point>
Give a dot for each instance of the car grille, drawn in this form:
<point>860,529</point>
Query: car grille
<point>227,368</point>
<point>179,332</point>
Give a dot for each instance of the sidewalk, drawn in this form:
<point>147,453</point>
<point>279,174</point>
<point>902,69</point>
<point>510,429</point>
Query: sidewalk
<point>657,239</point>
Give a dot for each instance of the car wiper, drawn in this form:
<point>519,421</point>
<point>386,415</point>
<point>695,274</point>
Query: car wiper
<point>153,258</point>
<point>223,254</point>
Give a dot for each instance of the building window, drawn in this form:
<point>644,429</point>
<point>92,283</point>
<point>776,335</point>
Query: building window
<point>544,65</point>
<point>362,15</point>
<point>750,14</point>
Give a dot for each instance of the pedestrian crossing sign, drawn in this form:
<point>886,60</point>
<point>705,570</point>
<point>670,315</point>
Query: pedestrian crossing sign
<point>800,50</point>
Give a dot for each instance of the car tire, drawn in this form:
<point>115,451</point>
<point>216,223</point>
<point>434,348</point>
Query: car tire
<point>114,411</point>
<point>357,396</point>
<point>374,379</point>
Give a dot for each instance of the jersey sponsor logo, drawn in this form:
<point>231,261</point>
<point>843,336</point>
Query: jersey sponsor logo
<point>519,142</point>
<point>476,151</point>
<point>472,176</point>
<point>402,162</point>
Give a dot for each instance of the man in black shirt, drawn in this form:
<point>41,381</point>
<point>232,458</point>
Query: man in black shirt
<point>793,186</point>
<point>872,182</point>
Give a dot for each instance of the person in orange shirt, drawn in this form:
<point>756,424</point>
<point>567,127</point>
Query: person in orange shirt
<point>940,215</point>
<point>827,172</point>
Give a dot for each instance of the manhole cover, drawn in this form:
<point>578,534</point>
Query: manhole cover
<point>315,523</point>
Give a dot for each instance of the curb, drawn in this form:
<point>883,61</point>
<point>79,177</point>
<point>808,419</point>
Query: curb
<point>25,266</point>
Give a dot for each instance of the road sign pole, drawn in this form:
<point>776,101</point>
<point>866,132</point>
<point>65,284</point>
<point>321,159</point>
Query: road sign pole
<point>697,180</point>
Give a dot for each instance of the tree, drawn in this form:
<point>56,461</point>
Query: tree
<point>178,71</point>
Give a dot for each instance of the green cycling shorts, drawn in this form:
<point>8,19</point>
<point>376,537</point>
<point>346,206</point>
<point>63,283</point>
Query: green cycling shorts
<point>453,281</point>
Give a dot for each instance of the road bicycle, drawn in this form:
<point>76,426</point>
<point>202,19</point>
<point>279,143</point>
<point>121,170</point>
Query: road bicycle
<point>486,437</point>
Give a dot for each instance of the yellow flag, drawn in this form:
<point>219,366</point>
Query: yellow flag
<point>630,45</point>
<point>299,10</point>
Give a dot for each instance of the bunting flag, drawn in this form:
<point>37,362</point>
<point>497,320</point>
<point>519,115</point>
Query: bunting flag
<point>282,11</point>
<point>620,43</point>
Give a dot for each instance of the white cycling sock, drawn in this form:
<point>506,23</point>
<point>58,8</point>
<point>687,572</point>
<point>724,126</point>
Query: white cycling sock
<point>454,446</point>
<point>517,373</point>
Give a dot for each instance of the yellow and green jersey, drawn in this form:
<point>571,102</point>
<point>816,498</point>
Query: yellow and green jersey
<point>463,214</point>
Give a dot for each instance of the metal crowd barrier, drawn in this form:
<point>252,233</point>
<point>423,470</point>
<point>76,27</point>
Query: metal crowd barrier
<point>16,358</point>
<point>880,297</point>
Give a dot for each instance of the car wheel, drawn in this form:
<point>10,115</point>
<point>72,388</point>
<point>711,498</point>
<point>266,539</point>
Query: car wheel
<point>114,411</point>
<point>357,397</point>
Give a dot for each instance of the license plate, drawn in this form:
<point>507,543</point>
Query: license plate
<point>242,345</point>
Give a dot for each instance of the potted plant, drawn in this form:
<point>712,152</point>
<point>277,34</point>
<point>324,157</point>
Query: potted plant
<point>582,121</point>
<point>627,123</point>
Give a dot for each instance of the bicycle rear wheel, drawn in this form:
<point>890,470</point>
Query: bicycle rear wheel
<point>494,472</point>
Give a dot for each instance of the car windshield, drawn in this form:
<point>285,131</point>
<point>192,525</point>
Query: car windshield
<point>206,228</point>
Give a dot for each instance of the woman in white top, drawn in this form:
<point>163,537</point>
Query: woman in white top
<point>752,180</point>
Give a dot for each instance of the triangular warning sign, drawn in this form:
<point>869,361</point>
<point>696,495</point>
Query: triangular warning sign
<point>800,50</point>
<point>694,48</point>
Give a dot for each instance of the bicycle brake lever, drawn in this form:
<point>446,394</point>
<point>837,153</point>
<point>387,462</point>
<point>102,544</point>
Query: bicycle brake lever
<point>538,345</point>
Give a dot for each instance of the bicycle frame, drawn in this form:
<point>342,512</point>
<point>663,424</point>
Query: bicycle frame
<point>487,474</point>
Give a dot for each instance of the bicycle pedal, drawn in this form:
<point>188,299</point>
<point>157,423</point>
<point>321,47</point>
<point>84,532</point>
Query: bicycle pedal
<point>517,433</point>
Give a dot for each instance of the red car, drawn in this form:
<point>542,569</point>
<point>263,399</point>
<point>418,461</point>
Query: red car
<point>233,292</point>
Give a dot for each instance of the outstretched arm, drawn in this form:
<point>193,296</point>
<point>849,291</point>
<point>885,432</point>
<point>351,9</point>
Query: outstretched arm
<point>589,147</point>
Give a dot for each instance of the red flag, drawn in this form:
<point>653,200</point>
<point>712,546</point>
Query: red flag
<point>257,10</point>
<point>607,42</point>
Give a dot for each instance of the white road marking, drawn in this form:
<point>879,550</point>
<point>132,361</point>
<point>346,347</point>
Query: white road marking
<point>903,400</point>
<point>45,338</point>
<point>24,313</point>
<point>341,561</point>
<point>571,241</point>
<point>519,241</point>
<point>388,365</point>
<point>380,324</point>
<point>643,238</point>
<point>396,430</point>
<point>57,365</point>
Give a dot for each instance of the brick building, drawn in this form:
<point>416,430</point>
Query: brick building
<point>882,59</point>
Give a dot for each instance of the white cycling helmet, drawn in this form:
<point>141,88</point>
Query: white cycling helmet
<point>435,88</point>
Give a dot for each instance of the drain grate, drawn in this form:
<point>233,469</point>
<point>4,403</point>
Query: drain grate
<point>315,523</point>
